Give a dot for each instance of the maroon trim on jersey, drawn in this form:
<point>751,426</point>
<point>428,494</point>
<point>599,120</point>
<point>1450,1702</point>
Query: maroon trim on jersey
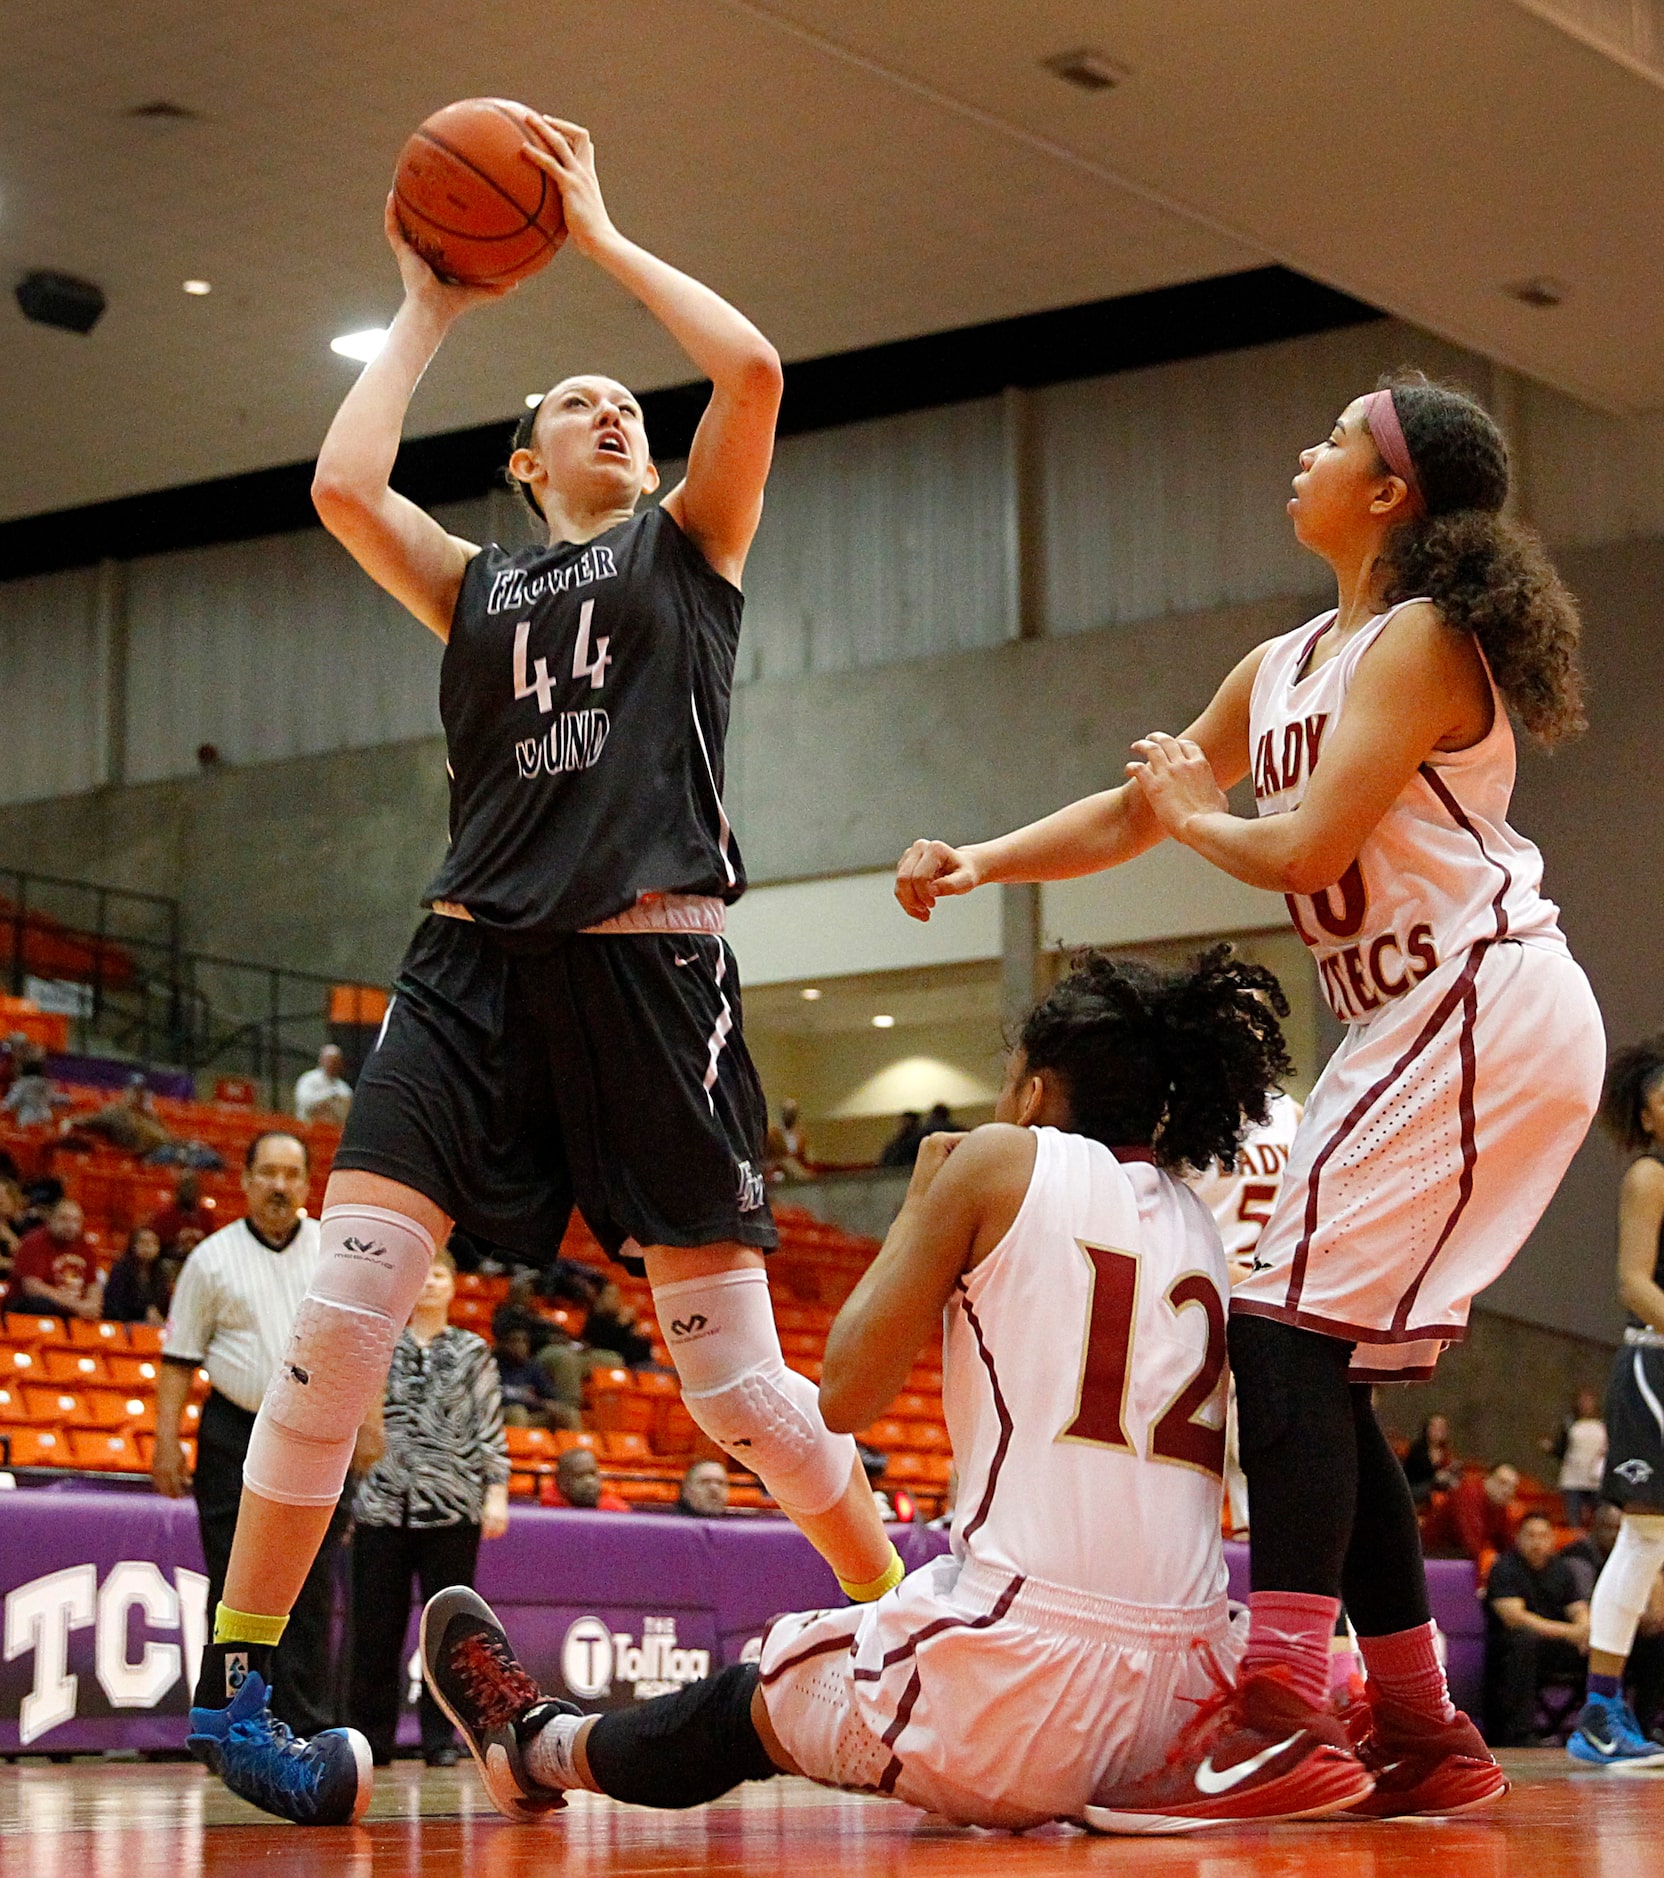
<point>1470,1152</point>
<point>1453,997</point>
<point>1004,1414</point>
<point>1300,672</point>
<point>1458,815</point>
<point>915,1683</point>
<point>824,1648</point>
<point>1347,1333</point>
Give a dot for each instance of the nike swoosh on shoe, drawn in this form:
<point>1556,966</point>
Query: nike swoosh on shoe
<point>1211,1780</point>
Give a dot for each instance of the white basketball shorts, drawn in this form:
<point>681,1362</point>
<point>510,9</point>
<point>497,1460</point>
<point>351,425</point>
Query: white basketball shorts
<point>1433,1141</point>
<point>991,1699</point>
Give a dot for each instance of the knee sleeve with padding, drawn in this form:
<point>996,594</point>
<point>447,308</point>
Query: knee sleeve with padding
<point>1625,1583</point>
<point>721,1336</point>
<point>373,1266</point>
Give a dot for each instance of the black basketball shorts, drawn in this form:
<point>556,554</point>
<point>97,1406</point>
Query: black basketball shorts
<point>1635,1429</point>
<point>608,1071</point>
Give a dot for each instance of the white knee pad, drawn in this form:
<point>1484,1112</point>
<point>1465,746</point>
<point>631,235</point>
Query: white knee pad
<point>373,1266</point>
<point>722,1339</point>
<point>1625,1583</point>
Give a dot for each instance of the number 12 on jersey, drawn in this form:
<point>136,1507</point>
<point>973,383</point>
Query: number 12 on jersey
<point>537,683</point>
<point>1176,1435</point>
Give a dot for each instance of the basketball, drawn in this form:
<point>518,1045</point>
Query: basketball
<point>470,203</point>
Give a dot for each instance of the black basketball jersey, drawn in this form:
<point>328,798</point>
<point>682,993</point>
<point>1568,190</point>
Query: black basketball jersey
<point>585,694</point>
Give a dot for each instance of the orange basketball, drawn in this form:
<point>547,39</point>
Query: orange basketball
<point>470,203</point>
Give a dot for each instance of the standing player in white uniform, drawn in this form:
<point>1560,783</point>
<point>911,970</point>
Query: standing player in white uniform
<point>1057,1650</point>
<point>1379,741</point>
<point>1240,1196</point>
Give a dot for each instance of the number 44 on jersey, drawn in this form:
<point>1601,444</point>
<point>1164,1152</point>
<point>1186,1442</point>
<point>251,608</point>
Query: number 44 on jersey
<point>538,684</point>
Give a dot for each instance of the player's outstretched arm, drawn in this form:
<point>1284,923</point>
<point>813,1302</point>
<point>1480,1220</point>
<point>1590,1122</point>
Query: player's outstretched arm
<point>400,547</point>
<point>1415,689</point>
<point>964,1194</point>
<point>1640,1215</point>
<point>719,503</point>
<point>1098,832</point>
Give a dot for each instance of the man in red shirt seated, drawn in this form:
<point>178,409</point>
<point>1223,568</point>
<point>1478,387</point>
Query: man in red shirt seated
<point>185,1212</point>
<point>1479,1516</point>
<point>578,1483</point>
<point>55,1269</point>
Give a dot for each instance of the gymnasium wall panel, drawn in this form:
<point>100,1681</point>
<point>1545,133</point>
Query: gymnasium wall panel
<point>54,701</point>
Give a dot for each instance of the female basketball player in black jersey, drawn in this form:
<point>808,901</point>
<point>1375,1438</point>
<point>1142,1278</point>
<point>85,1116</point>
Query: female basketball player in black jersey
<point>566,1022</point>
<point>1632,1107</point>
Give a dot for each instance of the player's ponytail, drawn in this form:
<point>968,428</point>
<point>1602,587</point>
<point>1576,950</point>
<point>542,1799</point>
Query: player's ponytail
<point>1631,1076</point>
<point>1180,1061</point>
<point>1486,574</point>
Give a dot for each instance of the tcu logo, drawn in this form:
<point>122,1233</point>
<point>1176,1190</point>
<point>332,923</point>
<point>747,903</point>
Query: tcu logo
<point>686,1326</point>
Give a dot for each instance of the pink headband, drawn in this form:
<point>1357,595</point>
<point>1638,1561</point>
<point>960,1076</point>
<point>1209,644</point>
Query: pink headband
<point>1381,415</point>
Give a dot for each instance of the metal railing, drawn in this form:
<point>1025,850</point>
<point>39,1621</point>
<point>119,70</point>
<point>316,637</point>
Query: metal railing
<point>138,993</point>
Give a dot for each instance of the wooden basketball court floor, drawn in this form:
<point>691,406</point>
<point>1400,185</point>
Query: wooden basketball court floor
<point>93,1819</point>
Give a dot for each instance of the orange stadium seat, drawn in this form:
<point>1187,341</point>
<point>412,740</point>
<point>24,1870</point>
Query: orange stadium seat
<point>11,1403</point>
<point>101,1408</point>
<point>80,1367</point>
<point>530,1443</point>
<point>145,1339</point>
<point>96,1448</point>
<point>48,1407</point>
<point>146,1445</point>
<point>625,1449</point>
<point>674,1429</point>
<point>19,1363</point>
<point>134,1372</point>
<point>39,1447</point>
<point>565,1438</point>
<point>26,1328</point>
<point>97,1336</point>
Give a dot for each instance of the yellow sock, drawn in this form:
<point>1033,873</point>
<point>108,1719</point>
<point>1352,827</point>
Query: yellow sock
<point>887,1580</point>
<point>245,1627</point>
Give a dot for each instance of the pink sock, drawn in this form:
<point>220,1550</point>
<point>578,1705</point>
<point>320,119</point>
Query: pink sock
<point>1291,1630</point>
<point>1404,1667</point>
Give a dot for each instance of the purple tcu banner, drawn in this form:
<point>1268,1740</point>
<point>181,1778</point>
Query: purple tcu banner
<point>104,1598</point>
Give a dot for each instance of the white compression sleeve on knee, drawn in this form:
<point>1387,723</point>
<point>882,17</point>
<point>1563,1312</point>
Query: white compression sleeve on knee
<point>721,1336</point>
<point>1625,1583</point>
<point>373,1266</point>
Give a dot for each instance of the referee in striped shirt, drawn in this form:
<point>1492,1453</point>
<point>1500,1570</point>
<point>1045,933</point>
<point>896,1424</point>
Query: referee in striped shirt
<point>233,1309</point>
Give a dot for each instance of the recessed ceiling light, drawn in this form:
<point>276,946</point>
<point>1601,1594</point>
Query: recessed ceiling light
<point>1087,70</point>
<point>1541,290</point>
<point>533,400</point>
<point>198,287</point>
<point>883,1021</point>
<point>809,993</point>
<point>361,346</point>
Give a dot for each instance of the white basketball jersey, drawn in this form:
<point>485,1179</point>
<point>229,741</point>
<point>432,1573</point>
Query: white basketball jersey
<point>1084,1384</point>
<point>1441,872</point>
<point>1240,1197</point>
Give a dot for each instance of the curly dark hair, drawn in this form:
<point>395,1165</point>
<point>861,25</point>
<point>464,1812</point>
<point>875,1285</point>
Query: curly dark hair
<point>1631,1076</point>
<point>1486,574</point>
<point>1181,1060</point>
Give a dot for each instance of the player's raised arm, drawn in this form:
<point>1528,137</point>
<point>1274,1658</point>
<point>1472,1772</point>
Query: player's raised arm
<point>720,501</point>
<point>400,547</point>
<point>964,1194</point>
<point>1096,832</point>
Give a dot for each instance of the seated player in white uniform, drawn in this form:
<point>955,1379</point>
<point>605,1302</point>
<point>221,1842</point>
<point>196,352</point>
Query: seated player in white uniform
<point>1078,1629</point>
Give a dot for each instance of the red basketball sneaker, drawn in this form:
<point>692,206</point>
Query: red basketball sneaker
<point>1254,1754</point>
<point>1425,1766</point>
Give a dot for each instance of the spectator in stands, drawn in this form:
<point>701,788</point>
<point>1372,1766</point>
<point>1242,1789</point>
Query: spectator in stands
<point>1481,1515</point>
<point>939,1121</point>
<point>569,1281</point>
<point>1579,1445</point>
<point>1537,1632</point>
<point>186,1211</point>
<point>529,1398</point>
<point>1431,1465</point>
<point>786,1156</point>
<point>133,1292</point>
<point>12,1052</point>
<point>578,1483</point>
<point>56,1269</point>
<point>612,1331</point>
<point>439,1486</point>
<point>1643,1673</point>
<point>704,1492</point>
<point>902,1148</point>
<point>13,1210</point>
<point>31,1098</point>
<point>322,1094</point>
<point>232,1314</point>
<point>130,1122</point>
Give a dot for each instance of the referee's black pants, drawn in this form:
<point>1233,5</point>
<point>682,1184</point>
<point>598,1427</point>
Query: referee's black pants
<point>303,1664</point>
<point>384,1560</point>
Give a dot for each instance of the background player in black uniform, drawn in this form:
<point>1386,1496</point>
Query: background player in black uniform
<point>1632,1107</point>
<point>566,1022</point>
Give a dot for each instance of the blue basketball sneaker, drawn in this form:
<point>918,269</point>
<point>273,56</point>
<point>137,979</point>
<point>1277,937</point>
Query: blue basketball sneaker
<point>1608,1735</point>
<point>322,1782</point>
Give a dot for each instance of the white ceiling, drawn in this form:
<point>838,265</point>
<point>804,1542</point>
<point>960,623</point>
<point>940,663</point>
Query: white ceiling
<point>848,173</point>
